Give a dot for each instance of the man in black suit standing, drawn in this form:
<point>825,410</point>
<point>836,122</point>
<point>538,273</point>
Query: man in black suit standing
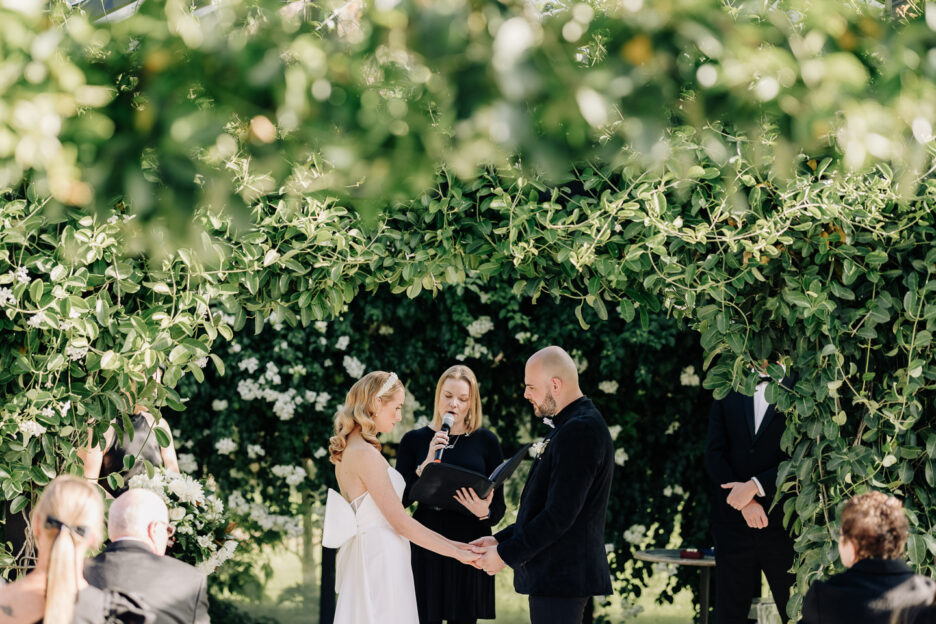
<point>742,454</point>
<point>556,547</point>
<point>134,561</point>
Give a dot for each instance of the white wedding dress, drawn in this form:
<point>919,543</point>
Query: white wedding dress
<point>374,579</point>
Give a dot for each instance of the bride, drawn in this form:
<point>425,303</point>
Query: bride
<point>367,521</point>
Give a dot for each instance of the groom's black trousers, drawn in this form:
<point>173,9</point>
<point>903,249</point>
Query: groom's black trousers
<point>549,610</point>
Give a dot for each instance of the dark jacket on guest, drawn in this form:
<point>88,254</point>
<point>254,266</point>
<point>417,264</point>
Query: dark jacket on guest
<point>733,452</point>
<point>174,590</point>
<point>867,593</point>
<point>557,546</point>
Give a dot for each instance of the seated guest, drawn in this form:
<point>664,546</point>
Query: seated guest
<point>140,531</point>
<point>67,522</point>
<point>878,582</point>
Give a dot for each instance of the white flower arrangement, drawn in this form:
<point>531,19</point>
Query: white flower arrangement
<point>197,514</point>
<point>538,448</point>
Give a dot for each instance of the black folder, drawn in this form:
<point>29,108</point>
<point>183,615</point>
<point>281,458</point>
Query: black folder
<point>439,482</point>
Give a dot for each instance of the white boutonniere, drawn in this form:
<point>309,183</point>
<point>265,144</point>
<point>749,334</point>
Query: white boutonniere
<point>549,423</point>
<point>537,448</point>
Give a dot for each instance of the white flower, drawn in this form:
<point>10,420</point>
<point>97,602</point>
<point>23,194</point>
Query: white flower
<point>64,407</point>
<point>237,503</point>
<point>235,347</point>
<point>201,362</point>
<point>474,350</point>
<point>22,275</point>
<point>272,374</point>
<point>327,362</point>
<point>538,448</point>
<point>636,534</point>
<point>31,428</point>
<point>385,330</point>
<point>176,513</point>
<point>293,475</point>
<point>204,541</point>
<point>614,431</point>
<point>187,462</point>
<point>581,363</point>
<point>673,426</point>
<point>35,320</point>
<point>549,422</point>
<point>254,451</point>
<point>186,489</point>
<point>620,456</point>
<point>480,326</point>
<point>688,377</point>
<point>354,366</point>
<point>321,401</point>
<point>343,342</point>
<point>248,389</point>
<point>249,364</point>
<point>6,297</point>
<point>225,446</point>
<point>219,405</point>
<point>608,387</point>
<point>322,326</point>
<point>320,453</point>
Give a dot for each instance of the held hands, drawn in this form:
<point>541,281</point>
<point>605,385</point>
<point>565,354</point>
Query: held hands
<point>741,493</point>
<point>466,554</point>
<point>480,507</point>
<point>754,515</point>
<point>489,560</point>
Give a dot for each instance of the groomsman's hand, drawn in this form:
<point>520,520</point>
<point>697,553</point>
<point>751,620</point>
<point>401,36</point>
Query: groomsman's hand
<point>741,493</point>
<point>754,515</point>
<point>490,561</point>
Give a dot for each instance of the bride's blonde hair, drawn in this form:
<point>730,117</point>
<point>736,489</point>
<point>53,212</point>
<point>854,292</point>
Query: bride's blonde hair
<point>359,409</point>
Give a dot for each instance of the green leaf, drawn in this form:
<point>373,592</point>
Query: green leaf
<point>115,481</point>
<point>109,360</point>
<point>19,504</point>
<point>581,319</point>
<point>128,461</point>
<point>162,438</point>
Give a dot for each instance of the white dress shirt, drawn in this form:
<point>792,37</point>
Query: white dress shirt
<point>760,408</point>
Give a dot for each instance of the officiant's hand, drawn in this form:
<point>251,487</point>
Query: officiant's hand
<point>490,561</point>
<point>439,441</point>
<point>480,507</point>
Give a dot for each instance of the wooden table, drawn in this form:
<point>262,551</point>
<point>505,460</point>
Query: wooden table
<point>671,556</point>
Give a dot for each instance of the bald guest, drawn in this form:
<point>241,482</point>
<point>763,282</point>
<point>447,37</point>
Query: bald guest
<point>134,561</point>
<point>557,545</point>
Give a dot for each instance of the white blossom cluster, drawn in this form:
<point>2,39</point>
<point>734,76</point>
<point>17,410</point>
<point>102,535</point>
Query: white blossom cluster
<point>186,489</point>
<point>6,297</point>
<point>688,377</point>
<point>21,275</point>
<point>225,446</point>
<point>255,512</point>
<point>249,364</point>
<point>254,451</point>
<point>293,475</point>
<point>608,387</point>
<point>35,321</point>
<point>524,337</point>
<point>620,456</point>
<point>636,534</point>
<point>473,350</point>
<point>285,405</point>
<point>271,374</point>
<point>615,431</point>
<point>201,362</point>
<point>673,490</point>
<point>343,342</point>
<point>187,462</point>
<point>385,330</point>
<point>354,366</point>
<point>581,362</point>
<point>219,405</point>
<point>480,326</point>
<point>31,429</point>
<point>209,565</point>
<point>673,426</point>
<point>322,326</point>
<point>248,389</point>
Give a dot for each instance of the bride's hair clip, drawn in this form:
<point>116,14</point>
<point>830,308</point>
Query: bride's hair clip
<point>389,383</point>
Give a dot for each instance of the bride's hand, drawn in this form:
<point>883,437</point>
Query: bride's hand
<point>464,553</point>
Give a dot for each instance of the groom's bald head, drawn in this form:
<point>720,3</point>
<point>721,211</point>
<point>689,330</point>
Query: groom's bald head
<point>551,380</point>
<point>555,362</point>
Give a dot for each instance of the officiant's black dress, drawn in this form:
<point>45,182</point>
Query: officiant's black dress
<point>445,588</point>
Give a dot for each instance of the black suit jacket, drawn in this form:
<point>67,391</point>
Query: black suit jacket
<point>557,545</point>
<point>175,591</point>
<point>867,593</point>
<point>734,453</point>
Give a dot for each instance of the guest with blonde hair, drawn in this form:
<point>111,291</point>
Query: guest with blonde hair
<point>67,522</point>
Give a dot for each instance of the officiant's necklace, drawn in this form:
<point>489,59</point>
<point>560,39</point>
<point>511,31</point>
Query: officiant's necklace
<point>457,436</point>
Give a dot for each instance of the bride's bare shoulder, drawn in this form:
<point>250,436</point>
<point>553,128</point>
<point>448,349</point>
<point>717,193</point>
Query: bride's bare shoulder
<point>359,450</point>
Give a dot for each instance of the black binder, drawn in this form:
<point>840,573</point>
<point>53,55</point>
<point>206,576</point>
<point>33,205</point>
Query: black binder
<point>439,482</point>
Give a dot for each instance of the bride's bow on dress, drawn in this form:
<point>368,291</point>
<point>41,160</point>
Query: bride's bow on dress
<point>340,521</point>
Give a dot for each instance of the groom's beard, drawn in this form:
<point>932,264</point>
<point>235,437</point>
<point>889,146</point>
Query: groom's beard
<point>547,408</point>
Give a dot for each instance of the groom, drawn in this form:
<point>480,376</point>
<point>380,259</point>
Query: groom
<point>557,545</point>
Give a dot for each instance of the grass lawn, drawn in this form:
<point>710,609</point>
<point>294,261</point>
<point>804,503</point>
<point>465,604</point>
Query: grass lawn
<point>511,608</point>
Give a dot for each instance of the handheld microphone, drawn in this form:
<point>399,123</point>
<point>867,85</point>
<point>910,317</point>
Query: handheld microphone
<point>447,421</point>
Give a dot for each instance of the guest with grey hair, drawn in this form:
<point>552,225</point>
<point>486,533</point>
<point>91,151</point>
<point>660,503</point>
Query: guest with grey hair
<point>134,561</point>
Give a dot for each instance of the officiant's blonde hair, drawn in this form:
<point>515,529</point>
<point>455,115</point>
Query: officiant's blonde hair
<point>461,373</point>
<point>359,409</point>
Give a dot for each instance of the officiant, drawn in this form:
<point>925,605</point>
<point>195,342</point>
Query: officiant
<point>446,589</point>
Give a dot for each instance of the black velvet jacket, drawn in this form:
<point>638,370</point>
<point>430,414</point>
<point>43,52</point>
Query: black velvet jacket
<point>557,545</point>
<point>734,453</point>
<point>867,593</point>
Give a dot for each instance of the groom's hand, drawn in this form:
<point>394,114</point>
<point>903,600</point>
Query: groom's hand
<point>490,561</point>
<point>484,542</point>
